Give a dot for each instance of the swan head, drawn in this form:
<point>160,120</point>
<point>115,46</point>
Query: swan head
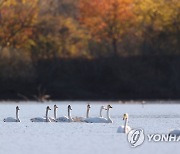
<point>125,116</point>
<point>55,106</point>
<point>69,107</point>
<point>109,106</point>
<point>48,108</point>
<point>88,106</point>
<point>17,108</point>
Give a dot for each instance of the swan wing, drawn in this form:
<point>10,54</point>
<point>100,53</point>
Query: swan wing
<point>96,120</point>
<point>10,119</point>
<point>121,129</point>
<point>52,119</point>
<point>78,119</point>
<point>38,119</point>
<point>63,119</point>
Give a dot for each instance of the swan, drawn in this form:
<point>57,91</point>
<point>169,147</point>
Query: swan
<point>100,119</point>
<point>10,119</point>
<point>64,118</point>
<point>40,119</point>
<point>81,119</point>
<point>55,113</point>
<point>124,129</point>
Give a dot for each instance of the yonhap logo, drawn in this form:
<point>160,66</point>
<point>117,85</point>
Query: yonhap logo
<point>136,137</point>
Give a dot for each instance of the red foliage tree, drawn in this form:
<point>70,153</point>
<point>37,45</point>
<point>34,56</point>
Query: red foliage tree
<point>106,19</point>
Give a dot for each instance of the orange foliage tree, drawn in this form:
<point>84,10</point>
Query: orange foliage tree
<point>17,18</point>
<point>107,19</point>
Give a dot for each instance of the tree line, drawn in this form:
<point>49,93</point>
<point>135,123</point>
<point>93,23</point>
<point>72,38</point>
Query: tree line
<point>38,37</point>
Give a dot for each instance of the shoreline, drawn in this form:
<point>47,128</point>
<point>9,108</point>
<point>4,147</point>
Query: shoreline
<point>130,102</point>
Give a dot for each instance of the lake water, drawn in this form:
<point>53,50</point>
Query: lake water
<point>83,138</point>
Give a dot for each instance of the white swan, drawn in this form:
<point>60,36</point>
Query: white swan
<point>10,119</point>
<point>55,113</point>
<point>42,119</point>
<point>81,119</point>
<point>64,118</point>
<point>124,129</point>
<point>100,119</point>
<point>175,132</point>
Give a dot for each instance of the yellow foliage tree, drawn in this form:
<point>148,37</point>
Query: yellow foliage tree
<point>159,24</point>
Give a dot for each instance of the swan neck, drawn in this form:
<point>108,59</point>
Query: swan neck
<point>17,117</point>
<point>69,115</point>
<point>46,114</point>
<point>55,113</point>
<point>125,125</point>
<point>100,113</point>
<point>108,114</point>
<point>87,113</point>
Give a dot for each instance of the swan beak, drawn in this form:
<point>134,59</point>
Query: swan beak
<point>109,106</point>
<point>55,106</point>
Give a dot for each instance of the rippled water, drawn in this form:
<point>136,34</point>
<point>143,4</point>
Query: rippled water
<point>56,138</point>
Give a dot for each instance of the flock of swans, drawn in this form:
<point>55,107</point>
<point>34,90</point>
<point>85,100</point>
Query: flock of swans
<point>67,118</point>
<point>121,129</point>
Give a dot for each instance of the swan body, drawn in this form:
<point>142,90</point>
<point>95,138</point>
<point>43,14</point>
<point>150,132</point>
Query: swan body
<point>64,118</point>
<point>52,119</point>
<point>124,129</point>
<point>11,119</point>
<point>78,119</point>
<point>42,119</point>
<point>96,120</point>
<point>175,132</point>
<point>100,119</point>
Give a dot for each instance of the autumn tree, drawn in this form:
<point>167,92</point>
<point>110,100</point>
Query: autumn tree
<point>57,34</point>
<point>158,23</point>
<point>17,18</point>
<point>17,22</point>
<point>107,20</point>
